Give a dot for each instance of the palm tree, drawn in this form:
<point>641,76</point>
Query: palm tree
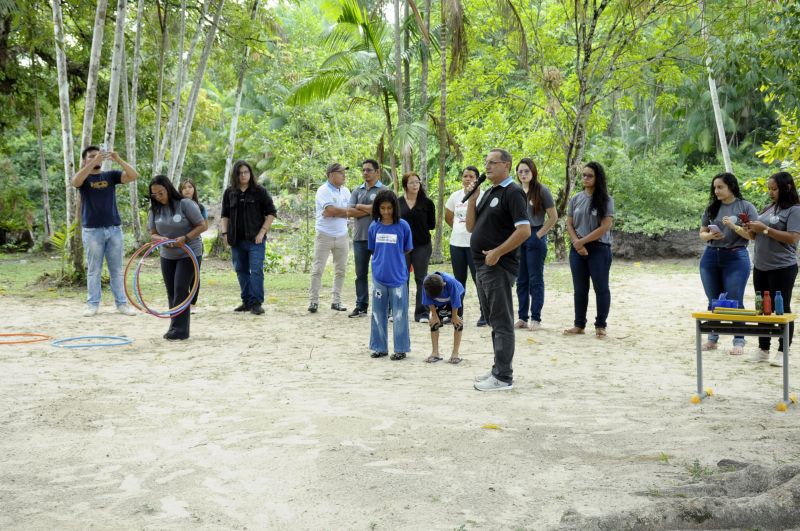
<point>361,62</point>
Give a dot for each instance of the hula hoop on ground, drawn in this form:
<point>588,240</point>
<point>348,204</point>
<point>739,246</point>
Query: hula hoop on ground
<point>120,341</point>
<point>148,249</point>
<point>37,338</point>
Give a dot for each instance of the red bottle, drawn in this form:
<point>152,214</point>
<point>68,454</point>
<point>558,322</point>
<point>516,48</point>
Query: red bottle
<point>767,304</point>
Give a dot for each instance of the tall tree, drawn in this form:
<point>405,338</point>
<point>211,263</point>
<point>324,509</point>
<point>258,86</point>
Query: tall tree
<point>76,256</point>
<point>90,98</point>
<point>712,88</point>
<point>117,67</point>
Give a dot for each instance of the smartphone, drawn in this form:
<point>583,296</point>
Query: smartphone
<point>713,228</point>
<point>744,218</point>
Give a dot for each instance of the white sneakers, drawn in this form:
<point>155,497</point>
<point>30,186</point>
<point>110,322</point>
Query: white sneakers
<point>777,359</point>
<point>124,309</point>
<point>762,356</point>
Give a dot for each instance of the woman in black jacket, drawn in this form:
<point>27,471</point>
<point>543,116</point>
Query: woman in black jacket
<point>247,214</point>
<point>420,213</point>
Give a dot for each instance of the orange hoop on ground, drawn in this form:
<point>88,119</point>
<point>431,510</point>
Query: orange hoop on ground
<point>39,337</point>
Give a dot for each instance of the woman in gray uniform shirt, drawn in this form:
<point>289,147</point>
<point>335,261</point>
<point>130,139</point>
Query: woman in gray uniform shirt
<point>176,218</point>
<point>776,231</point>
<point>725,265</point>
<point>589,219</point>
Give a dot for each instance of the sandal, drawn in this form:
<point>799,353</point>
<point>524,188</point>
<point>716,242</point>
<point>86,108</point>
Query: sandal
<point>398,356</point>
<point>574,331</point>
<point>737,350</point>
<point>378,354</point>
<point>709,345</point>
<point>600,332</point>
<point>521,324</point>
<point>455,361</point>
<point>431,359</point>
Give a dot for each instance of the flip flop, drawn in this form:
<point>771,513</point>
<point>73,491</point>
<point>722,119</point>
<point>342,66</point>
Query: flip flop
<point>432,359</point>
<point>455,361</point>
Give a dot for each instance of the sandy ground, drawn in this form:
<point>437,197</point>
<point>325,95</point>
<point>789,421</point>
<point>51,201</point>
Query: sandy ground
<point>285,422</point>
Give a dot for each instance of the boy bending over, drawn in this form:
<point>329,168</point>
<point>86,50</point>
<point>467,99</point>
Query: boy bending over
<point>443,294</point>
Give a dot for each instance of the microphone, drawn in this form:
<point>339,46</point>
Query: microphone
<point>478,184</point>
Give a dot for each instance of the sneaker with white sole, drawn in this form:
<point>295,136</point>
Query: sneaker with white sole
<point>777,359</point>
<point>521,324</point>
<point>759,356</point>
<point>124,309</point>
<point>493,384</point>
<point>482,377</point>
<point>90,311</point>
<point>533,326</point>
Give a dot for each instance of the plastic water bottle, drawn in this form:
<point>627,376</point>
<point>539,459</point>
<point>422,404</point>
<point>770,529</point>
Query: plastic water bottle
<point>759,303</point>
<point>778,303</point>
<point>767,304</point>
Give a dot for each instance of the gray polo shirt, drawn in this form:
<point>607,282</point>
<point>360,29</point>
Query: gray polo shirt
<point>537,219</point>
<point>363,196</point>
<point>731,239</point>
<point>584,217</point>
<point>770,254</point>
<point>175,224</point>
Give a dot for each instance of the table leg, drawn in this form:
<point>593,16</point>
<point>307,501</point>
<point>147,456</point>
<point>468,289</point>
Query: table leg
<point>786,364</point>
<point>699,339</point>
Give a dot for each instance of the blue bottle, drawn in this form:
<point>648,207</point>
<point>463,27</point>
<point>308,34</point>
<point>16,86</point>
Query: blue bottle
<point>778,303</point>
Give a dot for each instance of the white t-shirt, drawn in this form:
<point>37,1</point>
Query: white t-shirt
<point>329,195</point>
<point>460,237</point>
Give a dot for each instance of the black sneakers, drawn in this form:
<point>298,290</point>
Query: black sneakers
<point>338,307</point>
<point>358,312</point>
<point>312,308</point>
<point>243,307</point>
<point>256,309</point>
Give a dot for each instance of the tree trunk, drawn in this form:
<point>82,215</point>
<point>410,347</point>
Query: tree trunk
<point>436,255</point>
<point>387,110</point>
<point>171,133</point>
<point>423,97</point>
<point>131,106</point>
<point>117,67</point>
<point>48,216</point>
<point>90,99</point>
<point>75,251</point>
<point>186,128</point>
<point>130,152</point>
<point>712,88</point>
<point>155,168</point>
<point>398,83</point>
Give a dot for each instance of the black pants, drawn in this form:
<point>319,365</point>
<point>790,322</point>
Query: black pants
<point>776,280</point>
<point>197,293</point>
<point>178,278</point>
<point>419,257</point>
<point>461,260</point>
<point>497,301</point>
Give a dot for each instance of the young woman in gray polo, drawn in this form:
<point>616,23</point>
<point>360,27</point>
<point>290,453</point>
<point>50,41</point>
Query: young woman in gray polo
<point>776,232</point>
<point>725,265</point>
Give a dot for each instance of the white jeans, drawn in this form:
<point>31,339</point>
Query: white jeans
<point>324,245</point>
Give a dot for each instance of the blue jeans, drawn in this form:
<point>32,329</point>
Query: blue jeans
<point>248,261</point>
<point>361,258</point>
<point>725,270</point>
<point>384,297</point>
<point>595,267</point>
<point>99,243</point>
<point>530,279</point>
<point>494,292</point>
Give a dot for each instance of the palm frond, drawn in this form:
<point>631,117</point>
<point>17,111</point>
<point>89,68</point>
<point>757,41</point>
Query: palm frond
<point>515,29</point>
<point>457,31</point>
<point>319,87</point>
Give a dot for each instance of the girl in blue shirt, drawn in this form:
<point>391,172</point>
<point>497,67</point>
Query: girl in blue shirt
<point>389,240</point>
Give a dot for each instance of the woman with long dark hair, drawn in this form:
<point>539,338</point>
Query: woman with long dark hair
<point>533,252</point>
<point>776,231</point>
<point>174,217</point>
<point>247,215</point>
<point>189,190</point>
<point>589,219</point>
<point>420,214</point>
<point>725,265</point>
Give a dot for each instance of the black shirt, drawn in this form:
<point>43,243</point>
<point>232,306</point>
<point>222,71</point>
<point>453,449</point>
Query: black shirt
<point>246,212</point>
<point>497,213</point>
<point>421,219</point>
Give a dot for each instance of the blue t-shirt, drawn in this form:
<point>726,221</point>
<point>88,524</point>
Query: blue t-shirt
<point>388,244</point>
<point>451,293</point>
<point>99,200</point>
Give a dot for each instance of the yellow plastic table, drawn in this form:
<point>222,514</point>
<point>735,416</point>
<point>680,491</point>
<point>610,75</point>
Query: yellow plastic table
<point>744,325</point>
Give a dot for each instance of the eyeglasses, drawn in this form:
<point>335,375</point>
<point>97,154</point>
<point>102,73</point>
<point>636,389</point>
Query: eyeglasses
<point>524,172</point>
<point>490,163</point>
<point>367,170</point>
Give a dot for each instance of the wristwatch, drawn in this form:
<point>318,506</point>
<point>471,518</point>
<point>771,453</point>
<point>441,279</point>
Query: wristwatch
<point>766,231</point>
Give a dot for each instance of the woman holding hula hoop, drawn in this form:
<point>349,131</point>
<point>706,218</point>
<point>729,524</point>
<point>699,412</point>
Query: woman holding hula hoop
<point>174,217</point>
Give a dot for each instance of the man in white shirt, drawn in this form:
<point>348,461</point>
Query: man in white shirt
<point>332,211</point>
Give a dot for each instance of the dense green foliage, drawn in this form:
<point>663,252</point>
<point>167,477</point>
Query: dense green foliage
<point>317,91</point>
